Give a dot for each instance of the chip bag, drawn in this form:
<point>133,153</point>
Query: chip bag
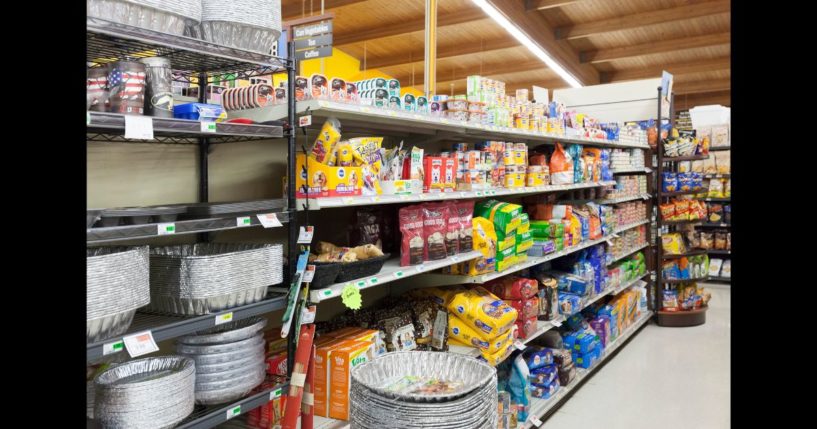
<point>483,312</point>
<point>673,243</point>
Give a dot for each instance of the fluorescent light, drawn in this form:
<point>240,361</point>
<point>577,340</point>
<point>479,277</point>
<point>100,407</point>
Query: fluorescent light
<point>497,16</point>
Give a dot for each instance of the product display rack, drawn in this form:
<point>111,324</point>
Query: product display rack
<point>628,252</point>
<point>645,170</point>
<point>200,62</point>
<point>717,148</point>
<point>672,318</point>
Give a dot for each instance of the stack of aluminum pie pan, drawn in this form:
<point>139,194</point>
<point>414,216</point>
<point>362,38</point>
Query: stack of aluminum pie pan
<point>195,279</point>
<point>145,393</point>
<point>166,16</point>
<point>253,25</point>
<point>229,360</point>
<point>117,284</point>
<point>471,406</point>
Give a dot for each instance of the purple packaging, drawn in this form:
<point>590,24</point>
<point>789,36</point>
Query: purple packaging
<point>544,375</point>
<point>542,248</point>
<point>601,325</point>
<point>544,391</point>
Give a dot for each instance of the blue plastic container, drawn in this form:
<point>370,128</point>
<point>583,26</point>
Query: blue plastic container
<point>197,111</point>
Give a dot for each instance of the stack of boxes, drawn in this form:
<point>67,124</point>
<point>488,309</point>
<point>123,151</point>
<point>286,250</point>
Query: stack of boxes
<point>632,134</point>
<point>630,212</point>
<point>548,237</point>
<point>493,164</point>
<point>628,186</point>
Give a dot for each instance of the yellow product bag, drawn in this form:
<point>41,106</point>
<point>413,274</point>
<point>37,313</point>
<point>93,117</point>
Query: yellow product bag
<point>323,150</point>
<point>483,311</point>
<point>501,354</point>
<point>459,330</point>
<point>507,262</point>
<point>441,295</point>
<point>455,342</point>
<point>485,241</point>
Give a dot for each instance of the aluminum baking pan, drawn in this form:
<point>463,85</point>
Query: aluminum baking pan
<point>158,390</point>
<point>117,280</point>
<point>164,16</point>
<point>247,344</point>
<point>190,307</point>
<point>229,394</point>
<point>105,327</point>
<point>470,401</point>
<point>230,374</point>
<point>378,373</point>
<point>239,378</point>
<point>93,215</point>
<point>215,209</point>
<point>219,358</point>
<point>242,362</point>
<point>227,333</point>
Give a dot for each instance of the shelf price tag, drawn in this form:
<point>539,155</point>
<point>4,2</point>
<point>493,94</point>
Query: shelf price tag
<point>305,235</point>
<point>305,121</point>
<point>166,228</point>
<point>328,293</point>
<point>224,318</point>
<point>309,274</point>
<point>275,394</point>
<point>111,348</point>
<point>556,322</point>
<point>308,315</point>
<point>138,127</point>
<point>241,222</point>
<point>140,343</point>
<point>361,284</point>
<point>373,281</point>
<point>535,421</point>
<point>208,126</point>
<point>519,345</point>
<point>398,274</point>
<point>234,412</point>
<point>269,220</point>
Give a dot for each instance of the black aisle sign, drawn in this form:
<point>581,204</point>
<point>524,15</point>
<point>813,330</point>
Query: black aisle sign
<point>313,40</point>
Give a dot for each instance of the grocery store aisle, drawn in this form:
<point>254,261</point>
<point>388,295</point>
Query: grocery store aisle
<point>673,377</point>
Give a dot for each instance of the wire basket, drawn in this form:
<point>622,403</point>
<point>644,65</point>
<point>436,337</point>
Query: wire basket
<point>326,274</point>
<point>354,270</point>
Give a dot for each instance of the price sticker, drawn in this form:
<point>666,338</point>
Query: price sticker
<point>243,221</point>
<point>420,268</point>
<point>455,258</point>
<point>373,281</point>
<point>269,220</point>
<point>328,293</point>
<point>166,228</point>
<point>556,322</point>
<point>305,235</point>
<point>138,127</point>
<point>398,274</point>
<point>308,315</point>
<point>479,193</point>
<point>111,348</point>
<point>309,274</point>
<point>140,343</point>
<point>361,284</point>
<point>208,127</point>
<point>233,412</point>
<point>535,421</point>
<point>519,345</point>
<point>305,121</point>
<point>275,394</point>
<point>224,318</point>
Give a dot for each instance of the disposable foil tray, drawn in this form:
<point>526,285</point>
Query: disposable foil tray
<point>203,379</point>
<point>216,209</point>
<point>227,333</point>
<point>166,16</point>
<point>219,358</point>
<point>231,392</point>
<point>246,360</point>
<point>378,373</point>
<point>253,25</point>
<point>117,280</point>
<point>102,328</point>
<point>208,277</point>
<point>248,344</point>
<point>142,215</point>
<point>145,393</point>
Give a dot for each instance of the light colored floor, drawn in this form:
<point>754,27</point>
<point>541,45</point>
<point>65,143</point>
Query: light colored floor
<point>672,378</point>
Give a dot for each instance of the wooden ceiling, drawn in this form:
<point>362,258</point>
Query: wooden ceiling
<point>598,41</point>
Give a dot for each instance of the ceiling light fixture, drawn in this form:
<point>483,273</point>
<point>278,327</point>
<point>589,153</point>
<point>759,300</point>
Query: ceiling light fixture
<point>526,41</point>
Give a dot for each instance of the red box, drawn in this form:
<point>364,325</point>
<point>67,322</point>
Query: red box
<point>450,178</point>
<point>434,171</point>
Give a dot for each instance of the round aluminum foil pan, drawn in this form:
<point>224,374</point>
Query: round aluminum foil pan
<point>243,362</point>
<point>245,345</point>
<point>231,393</point>
<point>227,333</point>
<point>379,373</point>
<point>219,358</point>
<point>158,15</point>
<point>103,328</point>
<point>230,374</point>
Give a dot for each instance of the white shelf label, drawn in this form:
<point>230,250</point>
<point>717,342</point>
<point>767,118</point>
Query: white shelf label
<point>556,322</point>
<point>208,126</point>
<point>87,118</point>
<point>166,228</point>
<point>305,235</point>
<point>455,258</point>
<point>305,121</point>
<point>224,318</point>
<point>420,268</point>
<point>243,221</point>
<point>234,412</point>
<point>140,344</point>
<point>138,127</point>
<point>275,394</point>
<point>398,274</point>
<point>309,274</point>
<point>535,421</point>
<point>519,345</point>
<point>348,200</point>
<point>111,348</point>
<point>308,315</point>
<point>373,281</point>
<point>376,199</point>
<point>269,220</point>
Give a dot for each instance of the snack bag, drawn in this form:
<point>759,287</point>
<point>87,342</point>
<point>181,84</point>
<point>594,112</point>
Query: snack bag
<point>715,189</point>
<point>435,225</point>
<point>324,147</point>
<point>561,167</point>
<point>669,182</point>
<point>459,330</point>
<point>412,230</point>
<point>673,243</point>
<point>483,311</point>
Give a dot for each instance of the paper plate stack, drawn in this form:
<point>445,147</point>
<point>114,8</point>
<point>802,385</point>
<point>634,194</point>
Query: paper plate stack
<point>423,389</point>
<point>229,360</point>
<point>145,393</point>
<point>195,279</point>
<point>117,284</point>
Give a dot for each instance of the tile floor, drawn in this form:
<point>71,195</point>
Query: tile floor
<point>672,378</point>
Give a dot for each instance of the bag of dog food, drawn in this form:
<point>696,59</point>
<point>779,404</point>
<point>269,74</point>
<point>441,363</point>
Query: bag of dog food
<point>412,230</point>
<point>483,311</point>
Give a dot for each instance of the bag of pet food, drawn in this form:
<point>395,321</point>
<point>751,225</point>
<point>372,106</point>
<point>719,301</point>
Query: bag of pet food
<point>483,311</point>
<point>435,225</point>
<point>526,308</point>
<point>465,212</point>
<point>505,216</point>
<point>412,231</point>
<point>485,241</point>
<point>462,332</point>
<point>526,326</point>
<point>324,147</point>
<point>561,167</point>
<point>512,287</point>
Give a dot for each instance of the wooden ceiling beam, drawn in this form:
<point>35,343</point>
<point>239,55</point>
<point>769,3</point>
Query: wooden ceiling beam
<point>714,64</point>
<point>537,29</point>
<point>547,4</point>
<point>446,51</point>
<point>643,19</point>
<point>411,26</point>
<point>698,86</point>
<point>658,47</point>
<point>297,10</point>
<point>686,102</point>
<point>487,70</point>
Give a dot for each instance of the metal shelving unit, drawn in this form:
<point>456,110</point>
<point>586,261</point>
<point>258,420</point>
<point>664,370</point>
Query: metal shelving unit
<point>200,62</point>
<point>718,252</point>
<point>645,170</point>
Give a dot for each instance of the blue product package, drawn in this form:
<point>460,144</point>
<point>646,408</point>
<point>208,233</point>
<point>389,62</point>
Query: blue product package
<point>569,303</point>
<point>669,182</point>
<point>544,375</point>
<point>569,339</point>
<point>544,392</point>
<point>197,111</point>
<point>539,359</point>
<point>519,387</point>
<point>585,342</point>
<point>585,360</point>
<point>575,322</point>
<point>575,151</point>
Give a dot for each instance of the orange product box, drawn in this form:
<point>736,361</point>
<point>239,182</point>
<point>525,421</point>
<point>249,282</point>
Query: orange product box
<point>341,363</point>
<point>320,385</point>
<point>343,332</point>
<point>450,179</point>
<point>371,335</point>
